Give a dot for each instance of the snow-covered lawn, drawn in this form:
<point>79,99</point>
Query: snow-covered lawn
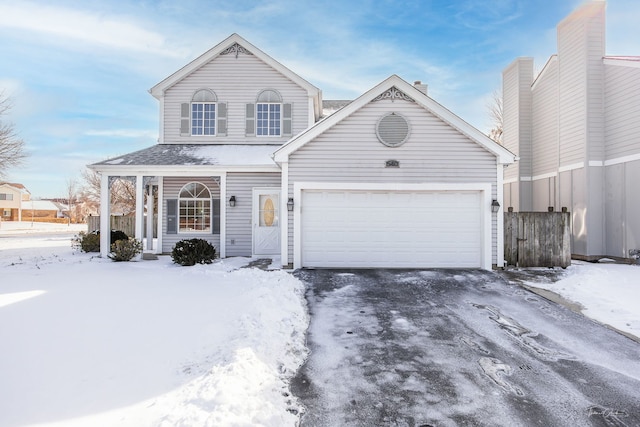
<point>608,293</point>
<point>85,341</point>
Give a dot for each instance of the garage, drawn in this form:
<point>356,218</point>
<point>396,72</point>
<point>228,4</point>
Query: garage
<point>392,229</point>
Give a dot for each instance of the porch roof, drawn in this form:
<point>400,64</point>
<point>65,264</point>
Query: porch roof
<point>194,155</point>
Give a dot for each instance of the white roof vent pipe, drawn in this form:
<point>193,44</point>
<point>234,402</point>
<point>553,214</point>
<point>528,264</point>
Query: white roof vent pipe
<point>421,87</point>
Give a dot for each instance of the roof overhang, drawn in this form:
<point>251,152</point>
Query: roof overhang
<point>313,92</point>
<point>503,155</point>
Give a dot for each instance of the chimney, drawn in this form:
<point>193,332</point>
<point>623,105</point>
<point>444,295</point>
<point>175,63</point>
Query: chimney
<point>422,88</point>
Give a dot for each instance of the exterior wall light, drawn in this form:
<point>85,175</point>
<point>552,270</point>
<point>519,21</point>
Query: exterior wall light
<point>290,204</point>
<point>232,201</point>
<point>495,206</point>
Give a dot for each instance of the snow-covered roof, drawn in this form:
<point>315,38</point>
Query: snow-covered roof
<point>40,205</point>
<point>194,155</point>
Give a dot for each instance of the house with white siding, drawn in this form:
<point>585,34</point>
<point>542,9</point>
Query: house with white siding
<point>575,126</point>
<point>247,160</point>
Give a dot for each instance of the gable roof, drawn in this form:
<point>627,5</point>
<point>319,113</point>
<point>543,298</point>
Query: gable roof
<point>504,156</point>
<point>158,90</point>
<point>18,187</point>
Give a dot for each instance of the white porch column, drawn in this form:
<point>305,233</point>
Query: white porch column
<point>160,213</point>
<point>105,215</point>
<point>223,215</point>
<point>150,216</point>
<point>500,217</point>
<point>284,215</point>
<point>139,207</point>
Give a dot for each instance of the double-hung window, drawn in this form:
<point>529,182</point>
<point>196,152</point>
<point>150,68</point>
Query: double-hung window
<point>203,113</point>
<point>269,114</point>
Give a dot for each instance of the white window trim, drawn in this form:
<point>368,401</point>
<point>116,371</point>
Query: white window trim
<point>215,119</point>
<point>280,124</point>
<point>180,199</point>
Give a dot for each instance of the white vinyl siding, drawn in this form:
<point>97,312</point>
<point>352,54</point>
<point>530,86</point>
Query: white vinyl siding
<point>517,79</point>
<point>171,189</point>
<point>239,228</point>
<point>581,76</point>
<point>350,152</point>
<point>622,107</point>
<point>236,81</point>
<point>545,119</point>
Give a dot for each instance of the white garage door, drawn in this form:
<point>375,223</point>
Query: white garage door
<point>391,229</point>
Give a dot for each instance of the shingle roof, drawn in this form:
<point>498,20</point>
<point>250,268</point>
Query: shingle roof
<point>196,154</point>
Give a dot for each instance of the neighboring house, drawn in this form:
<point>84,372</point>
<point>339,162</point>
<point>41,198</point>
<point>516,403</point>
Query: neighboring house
<point>576,128</point>
<point>246,161</point>
<point>12,197</point>
<point>41,209</point>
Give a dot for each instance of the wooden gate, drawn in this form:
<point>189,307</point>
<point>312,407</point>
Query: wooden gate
<point>537,239</point>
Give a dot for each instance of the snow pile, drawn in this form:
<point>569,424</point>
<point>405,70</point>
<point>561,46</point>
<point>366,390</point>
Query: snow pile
<point>86,341</point>
<point>609,293</point>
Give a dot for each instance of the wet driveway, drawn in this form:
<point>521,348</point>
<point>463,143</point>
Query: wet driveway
<point>457,348</point>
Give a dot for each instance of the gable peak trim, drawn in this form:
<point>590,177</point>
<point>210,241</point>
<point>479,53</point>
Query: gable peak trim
<point>236,49</point>
<point>393,93</point>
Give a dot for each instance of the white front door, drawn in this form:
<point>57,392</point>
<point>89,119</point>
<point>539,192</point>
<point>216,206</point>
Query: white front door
<point>266,221</point>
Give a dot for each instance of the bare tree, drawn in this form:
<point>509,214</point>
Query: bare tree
<point>123,193</point>
<point>72,188</point>
<point>495,114</point>
<point>11,146</point>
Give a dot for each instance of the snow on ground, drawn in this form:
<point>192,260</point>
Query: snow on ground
<point>609,293</point>
<point>88,341</point>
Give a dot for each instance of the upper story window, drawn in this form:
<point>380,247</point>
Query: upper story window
<point>268,114</point>
<point>6,196</point>
<point>203,113</point>
<point>194,208</point>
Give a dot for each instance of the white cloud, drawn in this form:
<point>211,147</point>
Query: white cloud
<point>123,133</point>
<point>82,27</point>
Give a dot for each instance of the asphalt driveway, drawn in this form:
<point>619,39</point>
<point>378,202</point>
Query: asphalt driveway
<point>457,348</point>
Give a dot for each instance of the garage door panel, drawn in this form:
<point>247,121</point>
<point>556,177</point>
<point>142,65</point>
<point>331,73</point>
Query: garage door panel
<point>391,229</point>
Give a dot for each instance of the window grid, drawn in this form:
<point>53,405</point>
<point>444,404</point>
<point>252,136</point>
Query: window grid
<point>195,215</point>
<point>268,119</point>
<point>203,118</point>
<point>194,208</point>
<point>6,196</point>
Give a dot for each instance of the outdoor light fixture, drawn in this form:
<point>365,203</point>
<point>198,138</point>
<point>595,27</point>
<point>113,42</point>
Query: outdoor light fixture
<point>232,201</point>
<point>290,204</point>
<point>495,206</point>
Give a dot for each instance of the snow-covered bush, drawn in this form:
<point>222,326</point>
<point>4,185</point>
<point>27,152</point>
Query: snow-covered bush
<point>125,250</point>
<point>86,242</point>
<point>192,252</point>
<point>90,242</point>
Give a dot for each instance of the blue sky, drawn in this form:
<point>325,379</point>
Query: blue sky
<point>78,71</point>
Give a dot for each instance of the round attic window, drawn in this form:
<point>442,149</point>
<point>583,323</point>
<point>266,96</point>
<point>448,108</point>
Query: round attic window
<point>392,130</point>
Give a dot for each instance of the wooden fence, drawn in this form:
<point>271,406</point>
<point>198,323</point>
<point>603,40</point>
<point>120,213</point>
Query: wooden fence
<point>537,239</point>
<point>125,224</point>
